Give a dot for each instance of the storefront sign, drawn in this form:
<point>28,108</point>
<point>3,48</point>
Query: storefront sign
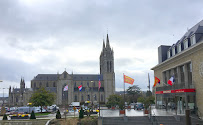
<point>175,91</point>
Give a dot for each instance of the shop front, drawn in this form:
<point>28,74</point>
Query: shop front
<point>176,100</point>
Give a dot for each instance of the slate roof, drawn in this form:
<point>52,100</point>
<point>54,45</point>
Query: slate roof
<point>17,90</point>
<point>86,77</point>
<point>50,77</point>
<point>198,28</point>
<point>76,77</point>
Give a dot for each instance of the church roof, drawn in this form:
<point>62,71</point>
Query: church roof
<point>49,77</point>
<point>77,77</point>
<point>87,77</point>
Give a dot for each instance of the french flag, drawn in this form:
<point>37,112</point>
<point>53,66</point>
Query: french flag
<point>171,81</point>
<point>80,87</point>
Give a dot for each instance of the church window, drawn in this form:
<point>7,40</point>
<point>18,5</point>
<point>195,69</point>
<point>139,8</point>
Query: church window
<point>110,66</point>
<point>88,97</point>
<point>107,66</point>
<point>95,97</point>
<point>54,84</point>
<point>75,98</point>
<point>47,84</point>
<point>65,75</point>
<point>82,99</point>
<point>101,97</point>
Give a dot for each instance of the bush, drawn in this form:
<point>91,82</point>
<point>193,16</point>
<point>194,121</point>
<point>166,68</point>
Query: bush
<point>81,115</point>
<point>58,115</point>
<point>32,115</point>
<point>5,117</point>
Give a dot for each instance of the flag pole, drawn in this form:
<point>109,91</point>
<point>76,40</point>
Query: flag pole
<point>124,93</point>
<point>99,94</point>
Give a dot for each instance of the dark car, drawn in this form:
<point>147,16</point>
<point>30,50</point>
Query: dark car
<point>140,106</point>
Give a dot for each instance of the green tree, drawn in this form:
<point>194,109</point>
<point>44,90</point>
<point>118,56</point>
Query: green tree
<point>81,115</point>
<point>141,99</point>
<point>32,115</point>
<point>114,100</point>
<point>42,97</point>
<point>133,92</point>
<point>5,117</point>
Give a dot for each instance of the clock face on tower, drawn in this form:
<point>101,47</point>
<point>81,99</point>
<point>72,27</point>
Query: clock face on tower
<point>201,69</point>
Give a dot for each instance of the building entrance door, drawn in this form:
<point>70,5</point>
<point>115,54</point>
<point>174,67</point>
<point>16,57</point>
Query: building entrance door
<point>181,105</point>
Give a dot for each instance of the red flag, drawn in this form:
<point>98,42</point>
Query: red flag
<point>99,84</point>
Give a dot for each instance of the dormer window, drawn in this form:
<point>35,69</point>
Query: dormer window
<point>179,47</point>
<point>169,54</point>
<point>173,51</point>
<point>185,44</point>
<point>192,39</point>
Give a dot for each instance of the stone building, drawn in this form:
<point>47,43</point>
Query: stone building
<point>184,61</point>
<point>19,96</point>
<point>56,82</point>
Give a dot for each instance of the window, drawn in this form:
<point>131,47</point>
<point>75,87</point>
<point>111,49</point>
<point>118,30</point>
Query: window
<point>34,85</point>
<point>185,44</point>
<point>54,84</point>
<point>173,51</point>
<point>75,84</point>
<point>101,97</point>
<point>95,97</point>
<point>82,99</point>
<point>88,97</point>
<point>75,98</point>
<point>169,54</point>
<point>87,84</point>
<point>65,75</point>
<point>40,84</point>
<point>81,83</point>
<point>94,84</point>
<point>193,40</point>
<point>47,84</point>
<point>179,47</point>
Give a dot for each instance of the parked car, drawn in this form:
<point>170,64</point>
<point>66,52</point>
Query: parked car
<point>140,106</point>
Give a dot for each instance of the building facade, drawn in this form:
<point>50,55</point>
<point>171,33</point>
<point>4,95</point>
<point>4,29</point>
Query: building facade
<point>184,61</point>
<point>19,96</point>
<point>56,82</point>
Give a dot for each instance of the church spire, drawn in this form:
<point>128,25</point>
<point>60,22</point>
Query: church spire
<point>103,44</point>
<point>107,41</point>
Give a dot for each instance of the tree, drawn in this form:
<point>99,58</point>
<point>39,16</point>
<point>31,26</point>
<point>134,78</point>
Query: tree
<point>5,117</point>
<point>42,97</point>
<point>114,100</point>
<point>81,115</point>
<point>58,115</point>
<point>133,92</point>
<point>32,115</point>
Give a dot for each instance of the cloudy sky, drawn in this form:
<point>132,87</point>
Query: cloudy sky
<point>47,36</point>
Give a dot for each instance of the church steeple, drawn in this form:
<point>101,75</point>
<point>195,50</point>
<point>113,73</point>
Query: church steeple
<point>103,45</point>
<point>106,58</point>
<point>107,42</point>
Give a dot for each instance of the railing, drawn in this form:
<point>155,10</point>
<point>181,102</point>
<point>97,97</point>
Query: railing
<point>175,86</point>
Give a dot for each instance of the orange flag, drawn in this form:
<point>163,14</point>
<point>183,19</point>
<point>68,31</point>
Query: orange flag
<point>128,80</point>
<point>156,80</point>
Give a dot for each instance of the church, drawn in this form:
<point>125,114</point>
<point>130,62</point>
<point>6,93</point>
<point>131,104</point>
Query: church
<point>90,82</point>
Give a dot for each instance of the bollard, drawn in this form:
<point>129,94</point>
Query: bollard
<point>187,117</point>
